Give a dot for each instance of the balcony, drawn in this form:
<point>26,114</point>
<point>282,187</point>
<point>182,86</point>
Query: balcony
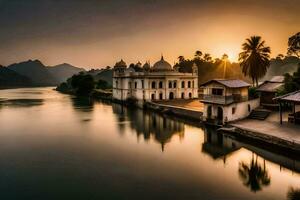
<point>220,99</point>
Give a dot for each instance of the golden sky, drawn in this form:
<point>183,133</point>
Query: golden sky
<point>94,34</point>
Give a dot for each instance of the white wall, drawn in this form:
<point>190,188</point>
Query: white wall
<point>241,110</point>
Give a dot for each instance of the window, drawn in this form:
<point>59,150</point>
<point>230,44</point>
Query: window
<point>249,108</point>
<point>174,84</point>
<point>189,84</point>
<point>182,84</point>
<point>152,96</point>
<point>153,85</point>
<point>160,84</point>
<point>170,84</point>
<point>143,84</point>
<point>233,110</point>
<point>182,95</point>
<point>190,95</point>
<point>160,96</point>
<point>216,91</point>
<point>135,84</point>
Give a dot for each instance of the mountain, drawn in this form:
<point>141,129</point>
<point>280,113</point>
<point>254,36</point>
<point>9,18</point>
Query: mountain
<point>63,71</point>
<point>9,78</point>
<point>279,66</point>
<point>36,71</point>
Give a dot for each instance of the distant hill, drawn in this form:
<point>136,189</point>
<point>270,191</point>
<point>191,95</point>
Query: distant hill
<point>9,78</point>
<point>63,71</point>
<point>36,71</point>
<point>281,66</point>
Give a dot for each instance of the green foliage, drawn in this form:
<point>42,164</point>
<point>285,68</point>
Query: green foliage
<point>253,93</point>
<point>83,84</point>
<point>294,45</point>
<point>291,82</point>
<point>255,58</point>
<point>208,68</point>
<point>101,84</point>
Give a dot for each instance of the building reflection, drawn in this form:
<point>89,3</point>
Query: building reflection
<point>148,125</point>
<point>83,104</point>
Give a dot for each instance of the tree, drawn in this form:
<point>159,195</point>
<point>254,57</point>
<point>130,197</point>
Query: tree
<point>83,84</point>
<point>294,45</point>
<point>293,194</point>
<point>181,58</point>
<point>254,175</point>
<point>207,57</point>
<point>254,58</point>
<point>198,55</point>
<point>280,57</point>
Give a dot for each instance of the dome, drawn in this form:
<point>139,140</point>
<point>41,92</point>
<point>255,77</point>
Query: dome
<point>121,64</point>
<point>162,65</point>
<point>146,66</point>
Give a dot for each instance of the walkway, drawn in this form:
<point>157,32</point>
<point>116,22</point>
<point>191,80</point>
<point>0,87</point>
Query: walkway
<point>271,126</point>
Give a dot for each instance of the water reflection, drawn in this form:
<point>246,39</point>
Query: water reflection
<point>83,104</point>
<point>21,102</point>
<point>217,145</point>
<point>253,174</point>
<point>293,194</point>
<point>149,125</point>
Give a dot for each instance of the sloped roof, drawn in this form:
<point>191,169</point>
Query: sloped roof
<point>233,83</point>
<point>293,97</point>
<point>269,87</point>
<point>277,79</point>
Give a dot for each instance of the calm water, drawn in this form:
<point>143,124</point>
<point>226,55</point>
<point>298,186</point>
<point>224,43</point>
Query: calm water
<point>53,146</point>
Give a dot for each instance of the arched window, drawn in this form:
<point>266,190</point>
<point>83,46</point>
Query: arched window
<point>189,84</point>
<point>174,84</point>
<point>152,96</point>
<point>182,84</point>
<point>190,95</point>
<point>135,84</point>
<point>182,95</point>
<point>170,84</point>
<point>160,96</point>
<point>171,95</point>
<point>160,85</point>
<point>153,85</point>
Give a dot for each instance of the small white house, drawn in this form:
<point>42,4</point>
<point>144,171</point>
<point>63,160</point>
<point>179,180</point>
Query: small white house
<point>226,100</point>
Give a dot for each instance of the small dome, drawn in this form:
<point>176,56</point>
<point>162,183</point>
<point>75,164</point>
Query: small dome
<point>121,63</point>
<point>162,65</point>
<point>146,66</point>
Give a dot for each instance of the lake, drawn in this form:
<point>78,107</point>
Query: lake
<point>54,146</point>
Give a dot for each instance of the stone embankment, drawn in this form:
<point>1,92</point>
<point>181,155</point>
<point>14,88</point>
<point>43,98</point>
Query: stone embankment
<point>263,138</point>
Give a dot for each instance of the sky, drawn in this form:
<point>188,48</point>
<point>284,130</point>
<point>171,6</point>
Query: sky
<point>97,33</point>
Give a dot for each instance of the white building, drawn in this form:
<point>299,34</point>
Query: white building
<point>226,100</point>
<point>146,83</point>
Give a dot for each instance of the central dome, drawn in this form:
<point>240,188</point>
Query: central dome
<point>162,65</point>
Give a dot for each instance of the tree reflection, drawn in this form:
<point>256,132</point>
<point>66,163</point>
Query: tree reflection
<point>254,175</point>
<point>293,194</point>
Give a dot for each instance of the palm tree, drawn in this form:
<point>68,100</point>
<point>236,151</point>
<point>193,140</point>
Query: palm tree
<point>255,58</point>
<point>198,55</point>
<point>254,175</point>
<point>293,194</point>
<point>181,58</point>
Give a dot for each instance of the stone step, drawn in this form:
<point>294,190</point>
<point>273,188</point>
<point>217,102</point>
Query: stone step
<point>260,114</point>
